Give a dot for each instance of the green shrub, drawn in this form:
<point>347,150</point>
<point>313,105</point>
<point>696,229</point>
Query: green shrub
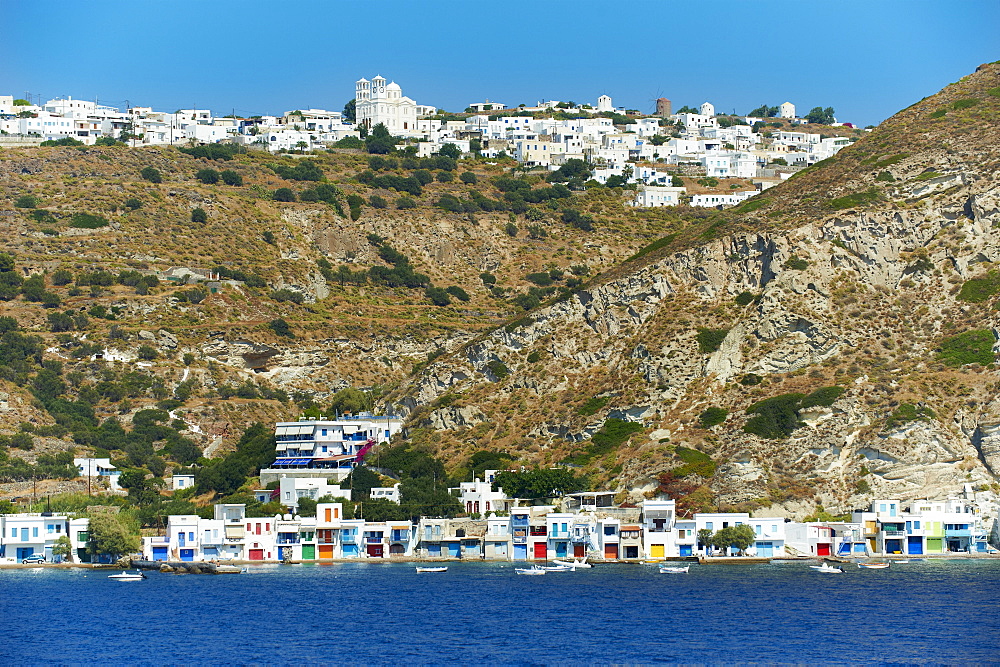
<point>855,200</point>
<point>751,380</point>
<point>498,369</point>
<point>488,278</point>
<point>971,347</point>
<point>468,178</point>
<point>281,328</point>
<point>151,174</point>
<point>593,405</point>
<point>712,417</point>
<point>284,194</point>
<point>862,486</point>
<point>886,177</point>
<point>774,418</point>
<point>438,296</point>
<point>966,103</point>
<point>744,299</point>
<point>542,279</point>
<point>42,216</point>
<point>378,202</point>
<point>457,292</point>
<point>198,214</point>
<point>796,264</point>
<point>823,397</point>
<point>655,245</point>
<point>405,203</point>
<point>26,201</point>
<point>906,413</point>
<point>695,463</point>
<point>207,176</point>
<point>511,229</point>
<point>977,290</point>
<point>65,141</point>
<point>709,340</point>
<point>230,177</point>
<point>940,113</point>
<point>752,205</point>
<point>927,175</point>
<point>612,435</point>
<point>133,204</point>
<point>87,221</point>
<point>995,92</point>
<point>534,356</point>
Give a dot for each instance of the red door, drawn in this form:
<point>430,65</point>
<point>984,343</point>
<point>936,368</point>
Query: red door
<point>541,551</point>
<point>822,549</point>
<point>256,554</point>
<point>579,551</point>
<point>611,552</point>
<point>375,550</point>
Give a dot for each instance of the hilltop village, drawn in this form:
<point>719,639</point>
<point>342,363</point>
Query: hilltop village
<point>750,152</point>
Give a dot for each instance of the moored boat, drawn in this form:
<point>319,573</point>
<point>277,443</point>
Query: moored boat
<point>127,576</point>
<point>828,568</point>
<point>432,569</point>
<point>669,569</point>
<point>579,562</point>
<point>534,570</point>
<point>556,568</point>
<point>873,566</point>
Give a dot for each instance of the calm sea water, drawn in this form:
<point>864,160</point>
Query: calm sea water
<point>929,611</point>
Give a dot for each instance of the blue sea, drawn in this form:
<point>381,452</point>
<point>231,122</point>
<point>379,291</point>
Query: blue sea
<point>360,613</point>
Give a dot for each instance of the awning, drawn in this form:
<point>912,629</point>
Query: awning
<point>283,430</point>
<point>234,531</point>
<point>305,430</point>
<point>291,462</point>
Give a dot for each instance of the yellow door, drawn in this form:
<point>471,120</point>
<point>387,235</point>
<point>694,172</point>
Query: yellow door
<point>656,551</point>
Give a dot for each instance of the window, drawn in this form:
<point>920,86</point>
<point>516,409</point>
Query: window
<point>191,536</point>
<point>774,528</point>
<point>323,431</point>
<point>708,525</point>
<point>756,529</point>
<point>34,531</point>
<point>916,525</point>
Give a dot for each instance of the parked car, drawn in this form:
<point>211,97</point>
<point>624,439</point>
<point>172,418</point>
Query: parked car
<point>33,559</point>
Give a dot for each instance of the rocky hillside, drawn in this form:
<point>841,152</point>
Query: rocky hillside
<point>830,341</point>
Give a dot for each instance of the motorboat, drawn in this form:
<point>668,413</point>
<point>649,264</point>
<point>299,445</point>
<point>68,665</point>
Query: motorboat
<point>579,562</point>
<point>557,568</point>
<point>874,566</point>
<point>535,570</point>
<point>127,576</point>
<point>432,569</point>
<point>671,569</point>
<point>905,560</point>
<point>826,567</point>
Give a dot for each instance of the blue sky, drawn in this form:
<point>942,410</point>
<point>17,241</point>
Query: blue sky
<point>866,59</point>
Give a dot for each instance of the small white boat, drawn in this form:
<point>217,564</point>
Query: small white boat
<point>432,569</point>
<point>873,566</point>
<point>127,576</point>
<point>580,562</point>
<point>529,570</point>
<point>669,569</point>
<point>901,561</point>
<point>556,568</point>
<point>825,567</point>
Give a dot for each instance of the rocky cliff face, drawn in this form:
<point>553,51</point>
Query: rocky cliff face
<point>860,297</point>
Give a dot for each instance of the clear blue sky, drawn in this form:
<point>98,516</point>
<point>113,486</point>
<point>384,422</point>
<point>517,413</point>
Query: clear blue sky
<point>867,59</point>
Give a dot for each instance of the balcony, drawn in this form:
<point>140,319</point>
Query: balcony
<point>538,531</point>
<point>894,533</point>
<point>373,540</point>
<point>957,532</point>
<point>287,540</point>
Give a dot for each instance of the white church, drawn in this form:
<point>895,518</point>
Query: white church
<point>377,102</point>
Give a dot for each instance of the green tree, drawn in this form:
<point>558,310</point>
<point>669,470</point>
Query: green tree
<point>705,538</point>
<point>468,178</point>
<point>450,150</point>
<point>350,110</point>
<point>361,481</point>
<point>199,215</point>
<point>350,400</point>
<point>284,194</point>
<point>230,177</point>
<point>306,507</point>
<point>109,535</point>
<point>821,116</point>
<point>63,548</point>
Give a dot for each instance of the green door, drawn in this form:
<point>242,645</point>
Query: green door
<point>308,552</point>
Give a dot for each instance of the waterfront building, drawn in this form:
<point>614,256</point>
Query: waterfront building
<point>658,528</point>
<point>35,534</point>
<point>293,489</point>
<point>327,447</point>
<point>390,493</point>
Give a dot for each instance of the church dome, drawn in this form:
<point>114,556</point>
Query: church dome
<point>393,86</point>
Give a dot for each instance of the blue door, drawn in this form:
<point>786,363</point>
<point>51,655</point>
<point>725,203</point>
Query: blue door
<point>24,552</point>
<point>520,552</point>
<point>454,550</point>
<point>159,553</point>
<point>180,539</point>
<point>187,554</point>
<point>914,544</point>
<point>434,550</point>
<point>765,549</point>
<point>686,549</point>
<point>350,550</point>
<point>560,549</point>
<point>24,534</point>
<point>859,547</point>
